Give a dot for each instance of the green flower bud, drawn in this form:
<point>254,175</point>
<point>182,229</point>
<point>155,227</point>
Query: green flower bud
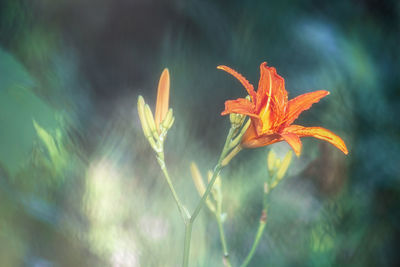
<point>236,119</point>
<point>150,121</point>
<point>142,117</point>
<point>168,120</point>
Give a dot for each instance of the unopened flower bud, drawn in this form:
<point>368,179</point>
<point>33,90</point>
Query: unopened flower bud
<point>236,119</point>
<point>142,117</point>
<point>197,179</point>
<point>279,168</point>
<point>198,182</point>
<point>150,120</point>
<point>168,120</point>
<point>284,165</point>
<point>171,123</point>
<point>271,158</point>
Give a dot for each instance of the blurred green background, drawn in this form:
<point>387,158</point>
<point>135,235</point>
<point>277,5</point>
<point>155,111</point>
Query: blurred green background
<point>80,186</point>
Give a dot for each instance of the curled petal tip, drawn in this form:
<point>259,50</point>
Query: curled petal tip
<point>323,92</point>
<point>320,133</point>
<point>248,86</point>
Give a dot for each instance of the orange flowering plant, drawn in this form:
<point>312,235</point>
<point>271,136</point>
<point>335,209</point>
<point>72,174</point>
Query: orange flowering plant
<point>271,116</point>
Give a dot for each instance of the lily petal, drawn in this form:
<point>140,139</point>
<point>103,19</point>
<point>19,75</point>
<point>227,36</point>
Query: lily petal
<point>262,141</point>
<point>271,91</point>
<point>240,106</point>
<point>301,103</point>
<point>252,140</point>
<point>248,86</point>
<point>249,135</point>
<point>162,98</point>
<point>320,133</point>
<point>294,141</point>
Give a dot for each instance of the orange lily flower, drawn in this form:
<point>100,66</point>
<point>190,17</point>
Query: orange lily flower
<point>272,114</point>
<point>162,102</point>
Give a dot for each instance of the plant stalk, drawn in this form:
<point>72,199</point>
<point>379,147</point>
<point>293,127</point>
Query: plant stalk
<point>260,231</point>
<point>223,240</point>
<point>182,210</point>
<point>261,226</point>
<point>216,172</point>
<point>186,246</point>
<point>188,224</point>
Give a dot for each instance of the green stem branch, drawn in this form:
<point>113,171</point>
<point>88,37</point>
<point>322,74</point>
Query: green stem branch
<point>260,231</point>
<point>186,246</point>
<point>182,210</point>
<point>216,171</point>
<point>261,226</point>
<point>223,240</point>
<point>189,223</point>
<point>189,219</point>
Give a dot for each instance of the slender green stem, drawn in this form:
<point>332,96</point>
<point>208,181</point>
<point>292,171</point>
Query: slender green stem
<point>187,218</point>
<point>186,246</point>
<point>222,236</point>
<point>182,210</point>
<point>188,224</point>
<point>261,226</point>
<point>257,239</point>
<point>217,169</point>
<point>218,215</point>
<point>185,215</point>
<point>223,240</point>
<point>238,138</point>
